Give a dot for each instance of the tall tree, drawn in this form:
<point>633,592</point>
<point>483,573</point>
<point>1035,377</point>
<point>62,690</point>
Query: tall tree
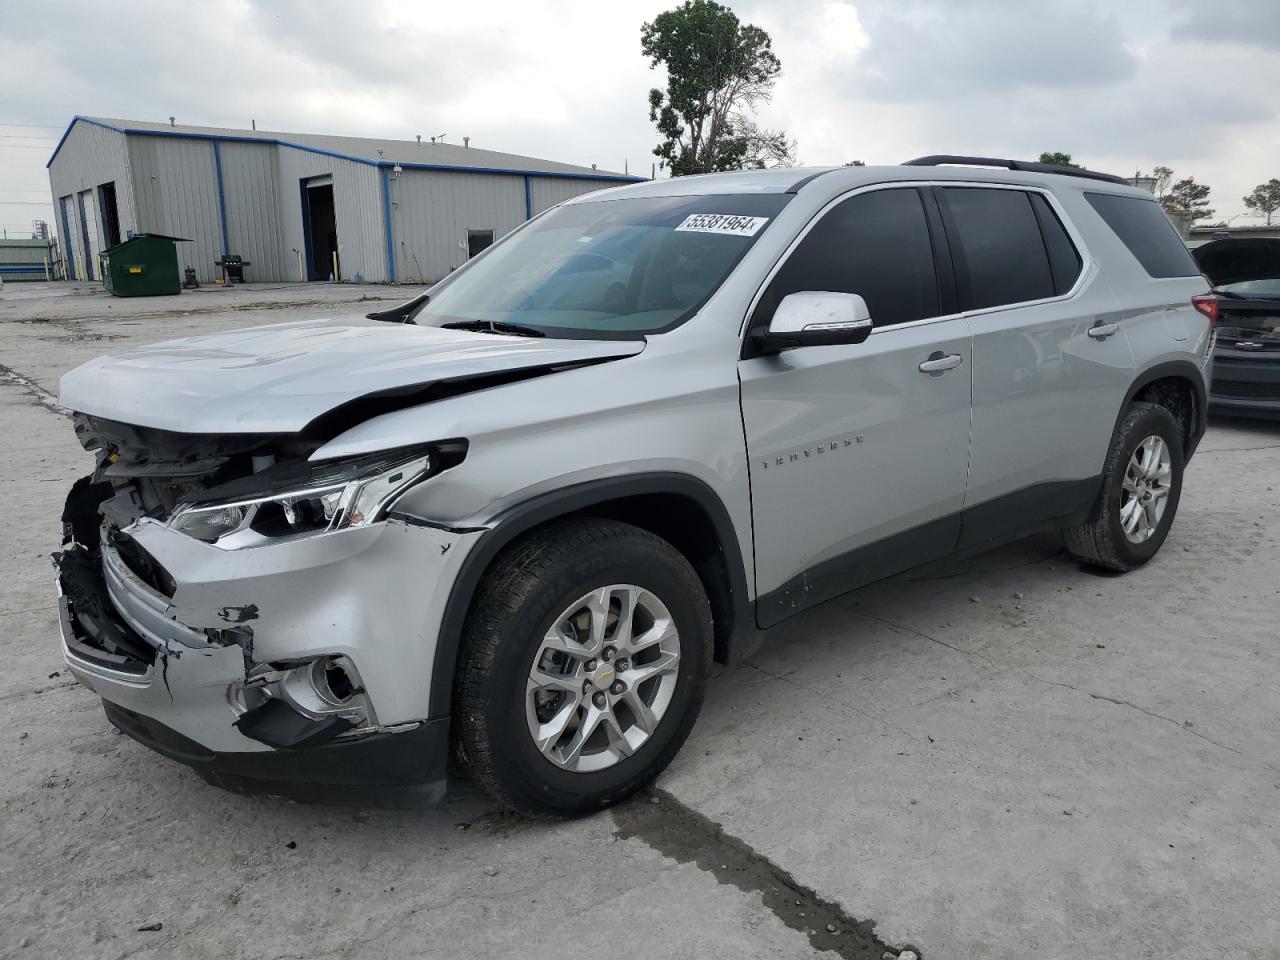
<point>1188,200</point>
<point>1163,177</point>
<point>1265,199</point>
<point>719,70</point>
<point>1058,159</point>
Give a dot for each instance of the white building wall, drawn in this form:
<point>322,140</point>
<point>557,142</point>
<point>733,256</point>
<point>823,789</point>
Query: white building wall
<point>251,191</point>
<point>177,187</point>
<point>546,192</point>
<point>432,210</point>
<point>90,156</point>
<point>358,212</point>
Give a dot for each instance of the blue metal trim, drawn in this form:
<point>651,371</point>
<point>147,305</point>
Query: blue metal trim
<point>184,135</point>
<point>222,197</point>
<point>66,238</point>
<point>386,211</point>
<point>528,198</point>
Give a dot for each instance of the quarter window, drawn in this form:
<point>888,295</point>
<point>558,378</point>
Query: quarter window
<point>1002,247</point>
<point>876,245</point>
<point>1143,227</point>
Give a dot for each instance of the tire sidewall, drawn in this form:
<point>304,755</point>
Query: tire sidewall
<point>523,771</point>
<point>1151,421</point>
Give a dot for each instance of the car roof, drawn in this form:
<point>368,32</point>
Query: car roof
<point>839,179</point>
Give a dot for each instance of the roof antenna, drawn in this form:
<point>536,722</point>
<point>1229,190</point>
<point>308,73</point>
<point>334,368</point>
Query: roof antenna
<point>171,123</point>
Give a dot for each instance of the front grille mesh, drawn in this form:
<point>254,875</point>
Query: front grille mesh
<point>1246,390</point>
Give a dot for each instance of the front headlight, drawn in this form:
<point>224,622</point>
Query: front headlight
<point>303,498</point>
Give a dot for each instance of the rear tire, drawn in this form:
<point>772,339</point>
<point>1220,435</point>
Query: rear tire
<point>1141,486</point>
<point>524,667</point>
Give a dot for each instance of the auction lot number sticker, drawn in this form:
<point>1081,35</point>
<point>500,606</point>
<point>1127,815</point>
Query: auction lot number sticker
<point>723,223</point>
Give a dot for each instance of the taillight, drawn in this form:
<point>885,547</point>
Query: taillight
<point>1207,304</point>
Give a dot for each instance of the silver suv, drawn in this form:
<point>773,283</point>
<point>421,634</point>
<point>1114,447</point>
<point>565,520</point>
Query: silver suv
<point>518,517</point>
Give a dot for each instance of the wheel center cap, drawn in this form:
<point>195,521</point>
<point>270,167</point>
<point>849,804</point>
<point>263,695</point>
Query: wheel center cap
<point>603,676</point>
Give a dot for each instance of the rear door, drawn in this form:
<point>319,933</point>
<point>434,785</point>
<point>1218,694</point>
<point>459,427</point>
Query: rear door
<point>1051,363</point>
<point>857,456</point>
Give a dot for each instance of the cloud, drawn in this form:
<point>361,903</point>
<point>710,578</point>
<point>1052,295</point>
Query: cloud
<point>1120,86</point>
<point>1248,23</point>
<point>921,49</point>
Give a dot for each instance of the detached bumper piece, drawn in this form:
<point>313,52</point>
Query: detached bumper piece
<point>396,770</point>
<point>91,626</point>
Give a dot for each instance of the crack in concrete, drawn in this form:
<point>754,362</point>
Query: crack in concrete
<point>924,636</point>
<point>1182,725</point>
<point>39,393</point>
<point>686,836</point>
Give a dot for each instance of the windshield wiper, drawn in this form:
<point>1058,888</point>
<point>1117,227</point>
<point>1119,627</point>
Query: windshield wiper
<point>495,326</point>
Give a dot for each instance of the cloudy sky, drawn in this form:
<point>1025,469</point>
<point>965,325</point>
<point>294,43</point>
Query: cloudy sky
<point>1187,83</point>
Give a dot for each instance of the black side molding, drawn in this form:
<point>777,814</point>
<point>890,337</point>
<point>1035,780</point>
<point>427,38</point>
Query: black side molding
<point>1026,166</point>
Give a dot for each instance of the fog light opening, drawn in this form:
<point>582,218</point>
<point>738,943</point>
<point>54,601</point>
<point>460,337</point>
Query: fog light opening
<point>333,682</point>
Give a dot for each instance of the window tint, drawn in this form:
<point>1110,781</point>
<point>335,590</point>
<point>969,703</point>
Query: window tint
<point>875,245</point>
<point>1064,259</point>
<point>999,236</point>
<point>1143,227</point>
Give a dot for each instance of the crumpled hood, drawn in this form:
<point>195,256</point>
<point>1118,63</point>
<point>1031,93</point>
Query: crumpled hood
<point>1236,259</point>
<point>277,379</point>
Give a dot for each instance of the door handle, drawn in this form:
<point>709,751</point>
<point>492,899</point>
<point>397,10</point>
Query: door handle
<point>1103,330</point>
<point>941,362</point>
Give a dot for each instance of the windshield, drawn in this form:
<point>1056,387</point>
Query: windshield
<point>608,269</point>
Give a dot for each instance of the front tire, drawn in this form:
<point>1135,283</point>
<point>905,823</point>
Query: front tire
<point>582,668</point>
<point>1141,486</point>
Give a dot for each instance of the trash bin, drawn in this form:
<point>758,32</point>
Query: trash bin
<point>145,265</point>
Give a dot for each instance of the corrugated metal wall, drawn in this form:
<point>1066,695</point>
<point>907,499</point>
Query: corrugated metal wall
<point>89,157</point>
<point>177,193</point>
<point>433,210</point>
<point>251,188</point>
<point>548,191</point>
<point>169,185</point>
<point>358,210</point>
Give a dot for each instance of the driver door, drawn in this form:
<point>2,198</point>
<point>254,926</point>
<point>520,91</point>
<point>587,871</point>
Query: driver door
<point>858,455</point>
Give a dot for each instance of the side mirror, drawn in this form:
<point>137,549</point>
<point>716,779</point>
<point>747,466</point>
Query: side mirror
<point>815,319</point>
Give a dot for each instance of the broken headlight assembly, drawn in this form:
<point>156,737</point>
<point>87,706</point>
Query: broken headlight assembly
<point>300,499</point>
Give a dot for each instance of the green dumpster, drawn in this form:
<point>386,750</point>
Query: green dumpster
<point>145,265</point>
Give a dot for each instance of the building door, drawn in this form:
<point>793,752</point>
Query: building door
<point>85,247</point>
<point>68,244</point>
<point>478,240</point>
<point>319,224</point>
<point>110,215</point>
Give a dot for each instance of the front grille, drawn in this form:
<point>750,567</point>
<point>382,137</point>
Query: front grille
<point>1246,389</point>
<point>144,566</point>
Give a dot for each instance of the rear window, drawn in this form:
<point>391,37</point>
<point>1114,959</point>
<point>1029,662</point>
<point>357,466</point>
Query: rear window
<point>1143,227</point>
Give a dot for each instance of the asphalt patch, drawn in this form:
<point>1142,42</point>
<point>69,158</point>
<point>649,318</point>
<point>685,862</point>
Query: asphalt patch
<point>674,830</point>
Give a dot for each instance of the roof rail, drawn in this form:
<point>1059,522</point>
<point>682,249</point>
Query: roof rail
<point>1026,166</point>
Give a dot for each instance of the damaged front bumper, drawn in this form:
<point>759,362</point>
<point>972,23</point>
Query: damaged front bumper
<point>218,658</point>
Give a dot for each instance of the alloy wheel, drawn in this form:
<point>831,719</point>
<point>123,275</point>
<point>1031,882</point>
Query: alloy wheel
<point>602,678</point>
<point>1145,491</point>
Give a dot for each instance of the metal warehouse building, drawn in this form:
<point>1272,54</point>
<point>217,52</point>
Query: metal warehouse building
<point>391,210</point>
